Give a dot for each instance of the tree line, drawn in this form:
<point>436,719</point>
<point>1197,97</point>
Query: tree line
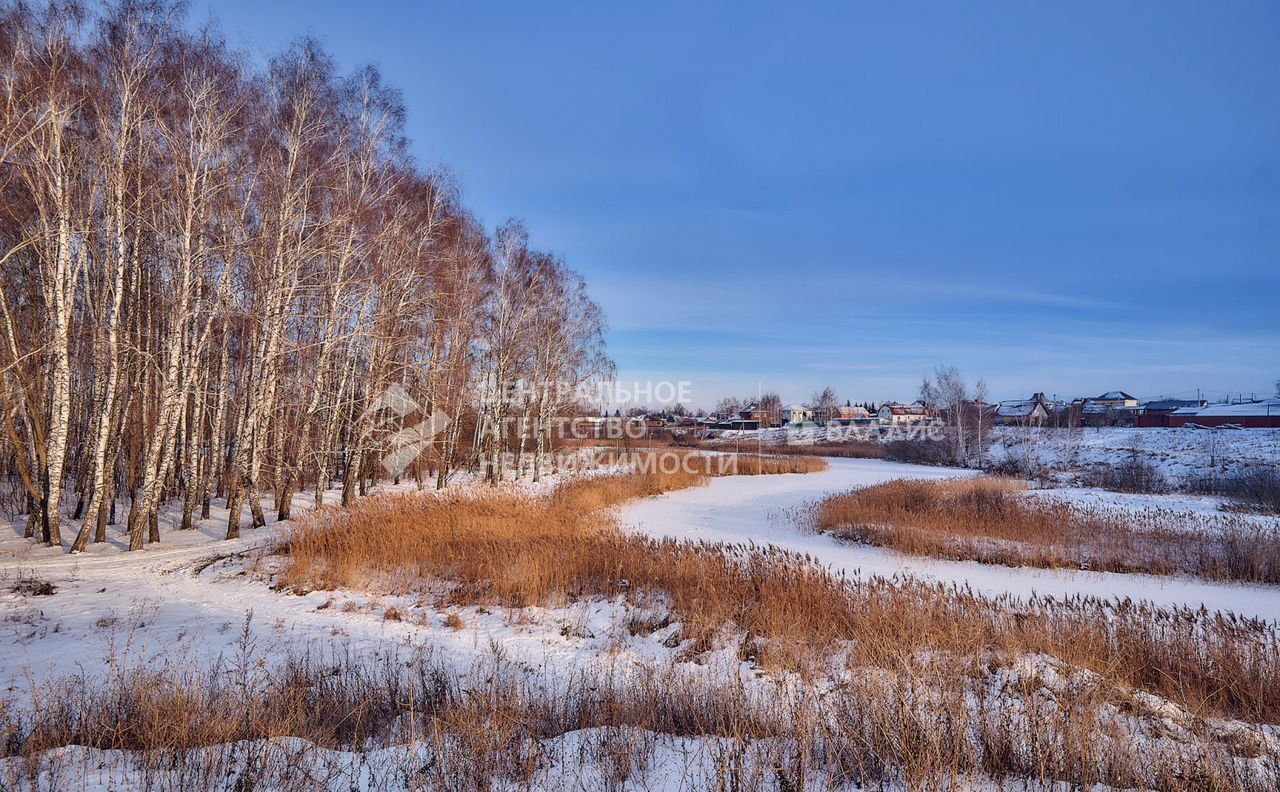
<point>212,269</point>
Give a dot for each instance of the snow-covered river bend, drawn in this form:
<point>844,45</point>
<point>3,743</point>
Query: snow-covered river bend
<point>762,509</point>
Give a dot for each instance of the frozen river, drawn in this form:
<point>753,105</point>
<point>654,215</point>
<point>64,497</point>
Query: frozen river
<point>767,510</point>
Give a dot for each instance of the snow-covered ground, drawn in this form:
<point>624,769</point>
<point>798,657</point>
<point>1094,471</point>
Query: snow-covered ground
<point>1188,512</point>
<point>197,600</point>
<point>194,591</point>
<point>194,597</point>
<point>1182,455</point>
<point>773,510</point>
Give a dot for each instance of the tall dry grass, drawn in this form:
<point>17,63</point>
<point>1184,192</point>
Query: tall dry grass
<point>516,551</point>
<point>1253,490</point>
<point>989,520</point>
<point>187,726</point>
<point>502,538</point>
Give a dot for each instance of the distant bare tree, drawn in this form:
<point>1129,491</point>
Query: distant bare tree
<point>771,406</point>
<point>947,393</point>
<point>728,406</point>
<point>979,419</point>
<point>823,403</point>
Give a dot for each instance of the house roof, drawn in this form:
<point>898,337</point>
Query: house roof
<point>1114,396</point>
<point>904,409</point>
<point>1173,404</point>
<point>1266,407</point>
<point>1022,408</point>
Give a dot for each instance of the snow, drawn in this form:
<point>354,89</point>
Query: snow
<point>193,591</point>
<point>1182,455</point>
<point>579,760</point>
<point>1198,511</point>
<point>1016,409</point>
<point>771,510</point>
<point>191,596</point>
<point>190,599</point>
<point>1268,407</point>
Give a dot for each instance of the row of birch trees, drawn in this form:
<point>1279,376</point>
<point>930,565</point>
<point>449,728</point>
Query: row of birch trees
<point>212,270</point>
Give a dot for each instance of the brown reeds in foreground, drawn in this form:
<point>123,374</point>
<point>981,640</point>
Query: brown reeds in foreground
<point>516,551</point>
<point>991,521</point>
<point>184,726</point>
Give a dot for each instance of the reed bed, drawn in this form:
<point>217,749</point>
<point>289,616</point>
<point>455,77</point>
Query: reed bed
<point>185,726</point>
<point>512,551</point>
<point>991,521</point>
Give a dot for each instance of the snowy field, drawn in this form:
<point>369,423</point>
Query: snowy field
<point>1182,455</point>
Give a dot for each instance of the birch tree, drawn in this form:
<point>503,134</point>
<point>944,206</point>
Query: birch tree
<point>209,271</point>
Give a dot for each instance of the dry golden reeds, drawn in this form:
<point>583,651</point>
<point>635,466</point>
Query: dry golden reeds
<point>989,520</point>
<point>509,550</point>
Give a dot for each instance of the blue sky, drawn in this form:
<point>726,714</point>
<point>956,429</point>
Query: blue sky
<point>1070,197</point>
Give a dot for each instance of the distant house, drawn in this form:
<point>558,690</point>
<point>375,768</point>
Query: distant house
<point>1113,399</point>
<point>1249,415</point>
<point>1022,412</point>
<point>1064,413</point>
<point>903,414</point>
<point>1093,414</point>
<point>1113,408</point>
<point>796,413</point>
<point>754,414</point>
<point>848,415</point>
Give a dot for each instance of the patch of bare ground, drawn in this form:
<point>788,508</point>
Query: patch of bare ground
<point>990,521</point>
